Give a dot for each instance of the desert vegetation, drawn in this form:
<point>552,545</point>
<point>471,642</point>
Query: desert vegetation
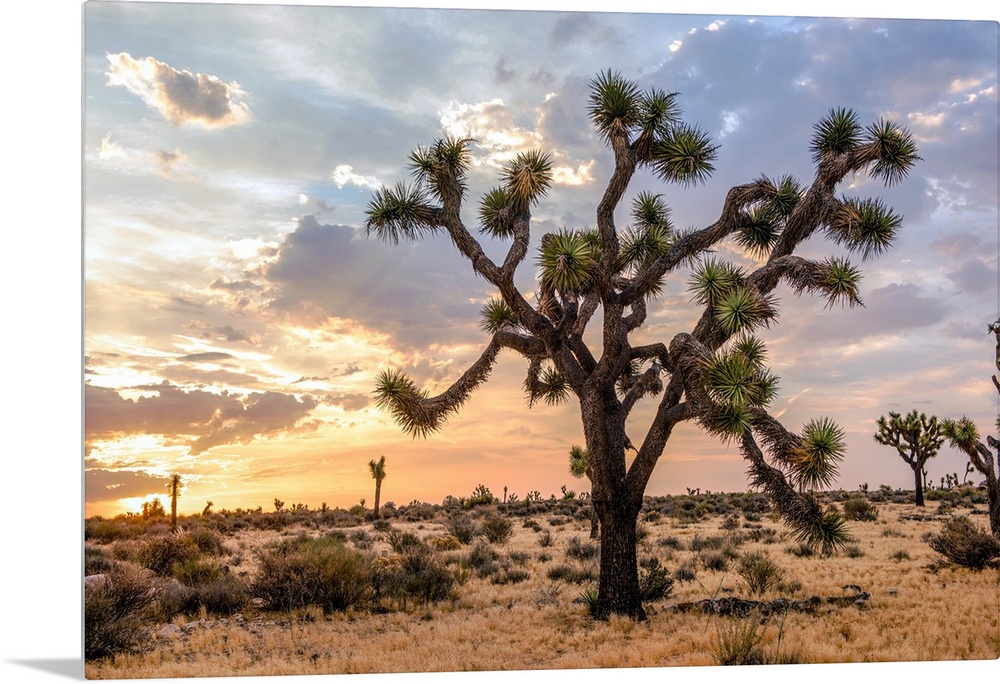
<point>493,585</point>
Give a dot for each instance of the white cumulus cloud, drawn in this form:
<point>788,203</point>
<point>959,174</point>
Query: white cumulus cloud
<point>181,97</point>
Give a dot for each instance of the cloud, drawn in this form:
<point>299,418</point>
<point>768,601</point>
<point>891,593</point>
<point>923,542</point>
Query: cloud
<point>348,402</point>
<point>344,175</point>
<point>210,419</point>
<point>110,485</point>
<point>180,96</point>
<point>206,357</point>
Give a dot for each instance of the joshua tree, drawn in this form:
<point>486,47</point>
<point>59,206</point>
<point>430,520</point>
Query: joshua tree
<point>579,466</point>
<point>962,434</point>
<point>917,439</point>
<point>174,487</point>
<point>208,508</point>
<point>715,374</point>
<point>377,469</point>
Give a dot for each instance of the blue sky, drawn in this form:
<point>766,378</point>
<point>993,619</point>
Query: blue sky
<point>236,314</point>
<point>936,285</point>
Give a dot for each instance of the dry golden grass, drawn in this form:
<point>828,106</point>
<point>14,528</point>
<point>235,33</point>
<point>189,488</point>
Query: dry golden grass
<point>914,613</point>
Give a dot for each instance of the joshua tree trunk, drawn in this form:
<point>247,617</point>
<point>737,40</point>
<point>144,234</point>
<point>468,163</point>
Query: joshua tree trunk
<point>618,588</point>
<point>378,495</point>
<point>918,487</point>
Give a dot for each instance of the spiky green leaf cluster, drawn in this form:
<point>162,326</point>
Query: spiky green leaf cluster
<point>840,281</point>
<point>615,104</point>
<point>743,309</point>
<point>813,464</point>
<point>400,212</point>
<point>835,134</point>
<point>527,177</point>
<point>494,213</point>
<point>436,165</point>
<point>759,227</point>
<point>497,316</point>
<point>546,384</point>
<point>827,532</point>
<point>961,433</point>
<point>579,461</point>
<point>866,226</point>
<point>396,393</point>
<point>566,260</point>
<point>895,149</point>
<point>684,155</point>
<point>712,280</point>
<point>737,381</point>
<point>786,196</point>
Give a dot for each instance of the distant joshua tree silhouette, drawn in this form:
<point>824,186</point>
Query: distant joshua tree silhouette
<point>377,469</point>
<point>175,491</point>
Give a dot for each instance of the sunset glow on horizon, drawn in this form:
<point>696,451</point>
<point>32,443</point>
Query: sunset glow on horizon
<point>236,314</point>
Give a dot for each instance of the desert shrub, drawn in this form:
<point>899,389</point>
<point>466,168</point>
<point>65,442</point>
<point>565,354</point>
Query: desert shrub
<point>740,642</point>
<point>207,541</point>
<point>545,539</point>
<point>714,560</point>
<point>95,560</point>
<point>198,570</point>
<point>161,553</point>
<point>731,522</point>
<point>758,572</point>
<point>802,550</point>
<point>762,535</point>
<point>853,551</point>
<point>483,559</point>
<point>860,508</point>
<point>381,525</point>
<point>558,520</point>
<point>590,599</point>
<point>446,543</point>
<point>114,610</point>
<point>462,528</point>
<point>581,550</point>
<point>223,595</point>
<point>105,531</point>
<point>417,575</point>
<point>519,557</point>
<point>671,542</point>
<point>574,575</point>
<point>510,576</point>
<point>320,572</point>
<point>641,532</point>
<point>497,529</point>
<point>655,582</point>
<point>402,542</point>
<point>964,543</point>
<point>699,543</point>
<point>900,555</point>
<point>686,572</point>
<point>361,539</point>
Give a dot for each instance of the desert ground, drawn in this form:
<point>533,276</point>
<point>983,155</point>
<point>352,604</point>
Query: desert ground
<point>463,587</point>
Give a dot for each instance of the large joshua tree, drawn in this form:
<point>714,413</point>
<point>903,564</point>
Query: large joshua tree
<point>962,434</point>
<point>716,373</point>
<point>916,438</point>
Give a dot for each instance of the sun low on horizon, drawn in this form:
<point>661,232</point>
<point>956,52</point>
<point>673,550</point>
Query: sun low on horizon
<point>237,314</point>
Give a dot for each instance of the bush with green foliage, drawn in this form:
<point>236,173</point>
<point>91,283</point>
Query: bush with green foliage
<point>318,572</point>
<point>655,582</point>
<point>462,528</point>
<point>758,571</point>
<point>114,612</point>
<point>497,529</point>
<point>860,508</point>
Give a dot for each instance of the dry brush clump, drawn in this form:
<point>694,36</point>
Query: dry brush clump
<point>963,543</point>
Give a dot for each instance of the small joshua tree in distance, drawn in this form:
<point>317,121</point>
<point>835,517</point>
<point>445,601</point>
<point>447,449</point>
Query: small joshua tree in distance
<point>174,487</point>
<point>377,469</point>
<point>916,438</point>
